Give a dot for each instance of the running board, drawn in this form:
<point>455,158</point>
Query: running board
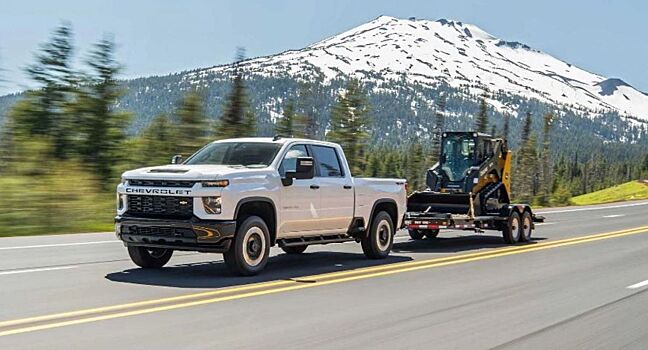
<point>292,242</point>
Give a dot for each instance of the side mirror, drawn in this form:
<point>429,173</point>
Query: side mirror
<point>177,159</point>
<point>304,170</point>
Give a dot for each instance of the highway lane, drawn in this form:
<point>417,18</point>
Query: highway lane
<point>467,305</point>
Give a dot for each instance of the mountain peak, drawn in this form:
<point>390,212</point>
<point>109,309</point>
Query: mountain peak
<point>459,54</point>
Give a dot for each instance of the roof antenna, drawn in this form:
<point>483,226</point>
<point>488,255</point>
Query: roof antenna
<point>276,137</point>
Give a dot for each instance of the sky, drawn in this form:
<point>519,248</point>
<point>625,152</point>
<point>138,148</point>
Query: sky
<point>158,37</point>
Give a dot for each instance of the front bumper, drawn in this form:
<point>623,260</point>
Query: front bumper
<point>213,236</point>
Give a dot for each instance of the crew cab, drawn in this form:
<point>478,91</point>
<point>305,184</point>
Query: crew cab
<point>241,196</point>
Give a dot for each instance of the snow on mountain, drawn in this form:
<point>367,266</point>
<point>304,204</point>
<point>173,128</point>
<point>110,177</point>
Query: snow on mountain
<point>460,54</point>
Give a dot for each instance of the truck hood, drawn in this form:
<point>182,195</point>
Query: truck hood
<point>190,172</point>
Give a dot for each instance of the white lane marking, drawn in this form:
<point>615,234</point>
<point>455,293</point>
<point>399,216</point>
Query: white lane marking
<point>613,215</point>
<point>58,245</point>
<point>638,285</point>
<point>592,208</point>
<point>13,272</point>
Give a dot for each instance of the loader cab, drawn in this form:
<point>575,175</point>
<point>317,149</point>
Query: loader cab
<point>461,151</point>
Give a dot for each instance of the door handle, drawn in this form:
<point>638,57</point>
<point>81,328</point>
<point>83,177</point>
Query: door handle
<point>348,187</point>
<point>314,187</point>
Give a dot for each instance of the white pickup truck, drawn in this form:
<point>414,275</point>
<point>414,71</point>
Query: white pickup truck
<point>242,196</point>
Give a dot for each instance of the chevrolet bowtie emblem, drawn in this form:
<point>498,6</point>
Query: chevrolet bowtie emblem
<point>183,202</point>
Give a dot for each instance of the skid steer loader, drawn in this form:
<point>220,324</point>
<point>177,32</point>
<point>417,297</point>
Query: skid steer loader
<point>469,188</point>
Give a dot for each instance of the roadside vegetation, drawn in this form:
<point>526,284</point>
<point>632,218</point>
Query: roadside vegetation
<point>633,190</point>
<point>65,143</point>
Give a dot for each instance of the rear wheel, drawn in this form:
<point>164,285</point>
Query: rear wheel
<point>380,239</point>
<point>249,253</point>
<point>526,227</point>
<point>431,233</point>
<point>149,258</point>
<point>511,231</point>
<point>298,249</point>
<point>416,234</point>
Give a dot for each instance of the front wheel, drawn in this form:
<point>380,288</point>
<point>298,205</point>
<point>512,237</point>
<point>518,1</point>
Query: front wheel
<point>149,258</point>
<point>249,253</point>
<point>511,230</point>
<point>380,239</point>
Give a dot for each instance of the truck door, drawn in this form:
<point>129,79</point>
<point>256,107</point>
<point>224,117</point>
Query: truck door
<point>336,190</point>
<point>300,204</point>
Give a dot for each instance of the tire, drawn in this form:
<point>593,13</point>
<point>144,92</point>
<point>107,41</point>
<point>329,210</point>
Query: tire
<point>298,249</point>
<point>149,258</point>
<point>380,239</point>
<point>416,234</point>
<point>526,227</point>
<point>511,232</point>
<point>249,252</point>
<point>431,234</point>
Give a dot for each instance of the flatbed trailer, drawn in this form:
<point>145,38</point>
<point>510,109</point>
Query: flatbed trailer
<point>516,221</point>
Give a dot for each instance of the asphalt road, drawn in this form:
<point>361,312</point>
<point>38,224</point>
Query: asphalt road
<point>578,285</point>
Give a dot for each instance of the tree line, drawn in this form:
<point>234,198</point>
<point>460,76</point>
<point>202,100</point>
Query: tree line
<point>66,141</point>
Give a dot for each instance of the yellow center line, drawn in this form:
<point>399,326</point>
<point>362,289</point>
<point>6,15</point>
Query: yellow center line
<point>273,287</point>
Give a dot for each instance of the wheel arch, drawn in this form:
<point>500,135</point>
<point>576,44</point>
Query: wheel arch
<point>388,205</point>
<point>262,207</point>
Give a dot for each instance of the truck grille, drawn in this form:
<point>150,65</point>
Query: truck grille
<point>160,206</point>
<point>161,183</point>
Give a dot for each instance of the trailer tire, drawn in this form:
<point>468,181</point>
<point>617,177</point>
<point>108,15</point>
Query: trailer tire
<point>297,249</point>
<point>526,227</point>
<point>416,234</point>
<point>379,241</point>
<point>431,234</point>
<point>248,254</point>
<point>149,258</point>
<point>511,231</point>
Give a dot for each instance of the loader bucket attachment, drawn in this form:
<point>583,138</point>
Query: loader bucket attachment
<point>437,202</point>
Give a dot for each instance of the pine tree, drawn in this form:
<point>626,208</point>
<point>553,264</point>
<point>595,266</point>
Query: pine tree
<point>481,123</point>
<point>45,111</point>
<point>415,168</point>
<point>102,129</point>
<point>526,165</point>
<point>439,126</point>
<point>192,124</point>
<point>507,121</point>
<point>546,159</point>
<point>157,142</point>
<point>235,122</point>
<point>306,117</point>
<point>349,119</point>
<point>285,125</point>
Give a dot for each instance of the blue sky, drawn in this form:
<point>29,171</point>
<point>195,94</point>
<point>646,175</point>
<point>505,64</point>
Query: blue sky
<point>164,36</point>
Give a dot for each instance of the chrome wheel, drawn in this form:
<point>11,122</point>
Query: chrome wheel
<point>254,246</point>
<point>384,236</point>
<point>515,228</point>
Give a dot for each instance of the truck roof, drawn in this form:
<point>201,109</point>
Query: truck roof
<point>279,140</point>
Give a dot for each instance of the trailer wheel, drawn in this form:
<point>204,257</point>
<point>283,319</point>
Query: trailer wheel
<point>249,252</point>
<point>526,227</point>
<point>297,249</point>
<point>431,233</point>
<point>511,231</point>
<point>416,234</point>
<point>378,243</point>
<point>149,258</point>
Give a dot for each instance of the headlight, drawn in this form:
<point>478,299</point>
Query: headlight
<point>121,201</point>
<point>215,183</point>
<point>212,205</point>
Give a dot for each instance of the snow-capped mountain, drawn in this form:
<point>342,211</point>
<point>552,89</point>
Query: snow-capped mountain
<point>461,55</point>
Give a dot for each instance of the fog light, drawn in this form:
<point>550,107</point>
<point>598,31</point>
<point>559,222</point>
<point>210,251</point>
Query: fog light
<point>212,205</point>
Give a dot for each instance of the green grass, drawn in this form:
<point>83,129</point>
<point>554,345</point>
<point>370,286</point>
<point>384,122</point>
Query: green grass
<point>632,190</point>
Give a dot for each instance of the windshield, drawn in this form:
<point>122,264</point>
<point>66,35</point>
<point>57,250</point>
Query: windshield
<point>249,154</point>
<point>458,151</point>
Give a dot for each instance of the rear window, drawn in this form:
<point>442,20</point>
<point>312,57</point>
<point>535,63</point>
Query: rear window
<point>328,162</point>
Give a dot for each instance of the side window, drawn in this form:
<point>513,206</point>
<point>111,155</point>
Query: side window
<point>328,163</point>
<point>289,163</point>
